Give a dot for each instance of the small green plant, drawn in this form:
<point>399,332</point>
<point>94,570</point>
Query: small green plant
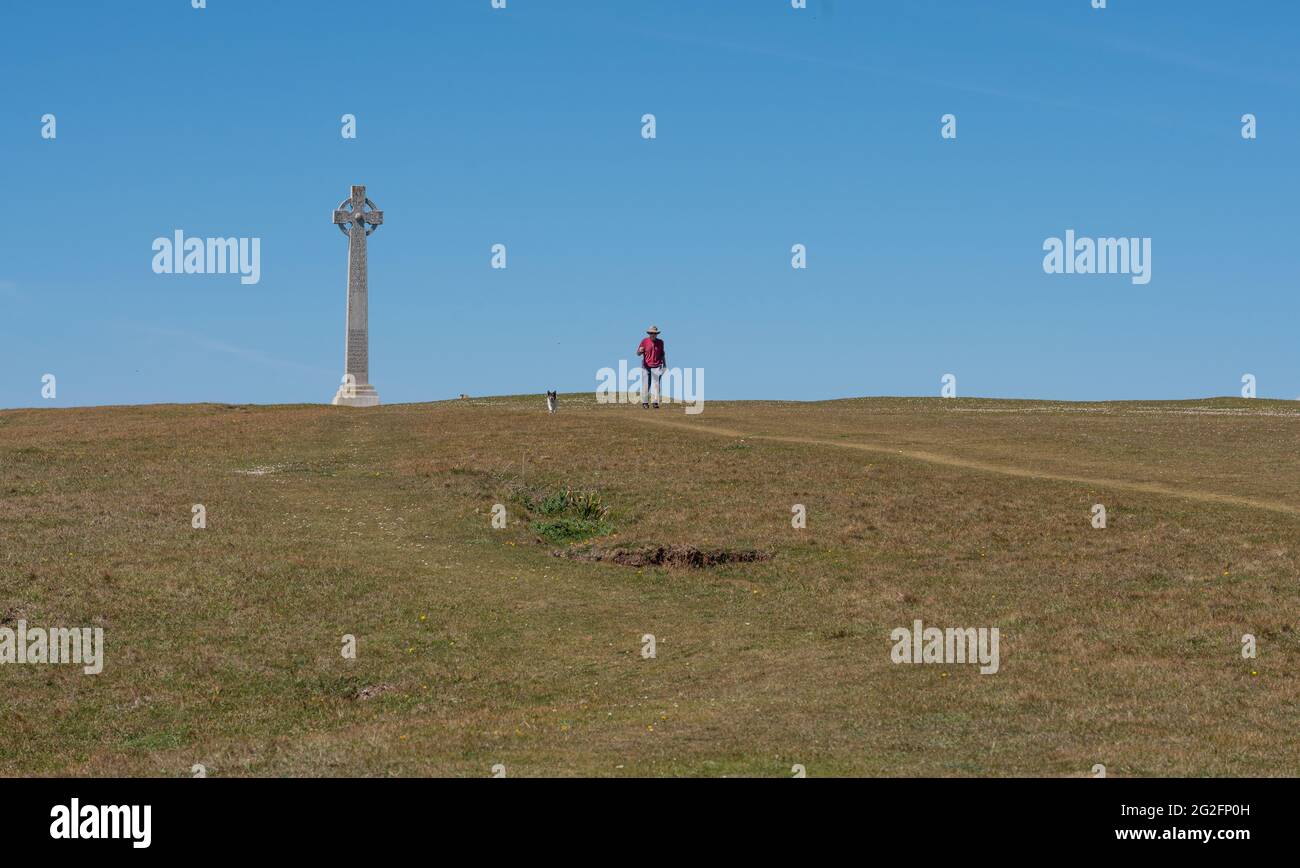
<point>575,515</point>
<point>554,504</point>
<point>587,504</point>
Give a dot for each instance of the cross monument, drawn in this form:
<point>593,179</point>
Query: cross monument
<point>357,223</point>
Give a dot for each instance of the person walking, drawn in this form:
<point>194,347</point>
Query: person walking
<point>651,352</point>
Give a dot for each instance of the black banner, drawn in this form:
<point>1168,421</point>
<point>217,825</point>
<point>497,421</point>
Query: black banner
<point>340,817</point>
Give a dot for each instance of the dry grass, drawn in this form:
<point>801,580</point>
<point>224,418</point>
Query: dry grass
<point>477,646</point>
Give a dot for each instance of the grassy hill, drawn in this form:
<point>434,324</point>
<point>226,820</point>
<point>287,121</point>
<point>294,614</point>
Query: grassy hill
<point>478,646</point>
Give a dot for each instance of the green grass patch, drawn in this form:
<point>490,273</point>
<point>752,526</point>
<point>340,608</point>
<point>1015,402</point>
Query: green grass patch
<point>572,516</point>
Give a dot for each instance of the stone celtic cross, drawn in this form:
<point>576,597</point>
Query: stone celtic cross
<point>357,223</point>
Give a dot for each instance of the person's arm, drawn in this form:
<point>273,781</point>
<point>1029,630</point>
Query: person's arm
<point>640,348</point>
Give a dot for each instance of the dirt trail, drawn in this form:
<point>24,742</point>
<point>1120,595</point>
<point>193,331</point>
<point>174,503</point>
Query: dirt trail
<point>1003,469</point>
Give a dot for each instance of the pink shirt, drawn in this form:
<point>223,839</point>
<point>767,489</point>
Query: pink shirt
<point>652,352</point>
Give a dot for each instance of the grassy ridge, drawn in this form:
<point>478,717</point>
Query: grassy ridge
<point>477,646</point>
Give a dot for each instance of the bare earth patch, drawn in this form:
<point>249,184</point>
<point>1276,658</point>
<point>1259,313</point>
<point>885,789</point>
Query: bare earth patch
<point>370,691</point>
<point>259,471</point>
<point>665,556</point>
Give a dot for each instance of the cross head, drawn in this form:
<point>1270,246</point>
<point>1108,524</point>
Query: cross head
<point>357,216</point>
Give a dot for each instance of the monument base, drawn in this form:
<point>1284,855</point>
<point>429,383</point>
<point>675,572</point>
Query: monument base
<point>360,395</point>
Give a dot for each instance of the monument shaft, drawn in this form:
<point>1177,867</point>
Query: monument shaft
<point>357,354</point>
<point>356,390</point>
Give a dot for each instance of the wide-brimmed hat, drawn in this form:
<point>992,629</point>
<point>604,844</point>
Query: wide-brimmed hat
<point>653,330</point>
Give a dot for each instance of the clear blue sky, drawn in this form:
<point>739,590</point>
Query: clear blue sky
<point>775,127</point>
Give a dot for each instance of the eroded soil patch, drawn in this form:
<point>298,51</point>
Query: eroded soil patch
<point>665,556</point>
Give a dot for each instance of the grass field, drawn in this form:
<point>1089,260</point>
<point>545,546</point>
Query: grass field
<point>478,646</point>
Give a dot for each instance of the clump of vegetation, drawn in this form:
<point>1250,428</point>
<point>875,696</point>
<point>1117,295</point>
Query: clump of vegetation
<point>589,505</point>
<point>572,516</point>
<point>569,530</point>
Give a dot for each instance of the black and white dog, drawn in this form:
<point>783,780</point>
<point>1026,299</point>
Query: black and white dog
<point>552,401</point>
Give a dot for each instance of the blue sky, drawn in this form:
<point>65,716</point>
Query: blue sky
<point>775,126</point>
